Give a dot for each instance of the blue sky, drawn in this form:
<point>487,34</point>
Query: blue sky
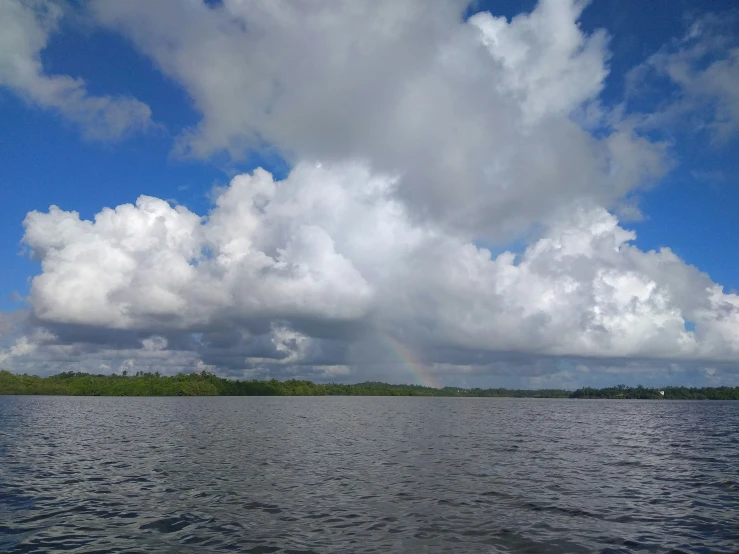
<point>47,159</point>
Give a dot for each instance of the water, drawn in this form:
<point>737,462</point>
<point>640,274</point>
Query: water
<point>367,475</point>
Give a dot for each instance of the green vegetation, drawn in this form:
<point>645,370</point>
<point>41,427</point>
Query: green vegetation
<point>205,384</point>
<point>671,393</point>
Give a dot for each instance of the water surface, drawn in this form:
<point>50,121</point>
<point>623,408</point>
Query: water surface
<point>363,474</point>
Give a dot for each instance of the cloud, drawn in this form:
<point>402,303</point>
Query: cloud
<point>458,110</point>
<point>21,347</point>
<point>326,266</point>
<point>703,68</point>
<point>153,265</point>
<point>25,28</point>
<point>548,63</point>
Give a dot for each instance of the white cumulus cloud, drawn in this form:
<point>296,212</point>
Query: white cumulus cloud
<point>331,246</point>
<point>457,109</point>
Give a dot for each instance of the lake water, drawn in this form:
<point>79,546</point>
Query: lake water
<point>342,474</point>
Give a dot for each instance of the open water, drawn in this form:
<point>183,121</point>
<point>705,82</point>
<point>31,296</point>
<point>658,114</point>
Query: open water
<point>342,474</point>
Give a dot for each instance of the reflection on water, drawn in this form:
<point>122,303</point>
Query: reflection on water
<point>343,474</point>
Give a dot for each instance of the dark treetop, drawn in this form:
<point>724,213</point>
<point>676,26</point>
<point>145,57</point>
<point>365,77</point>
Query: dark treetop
<point>205,384</point>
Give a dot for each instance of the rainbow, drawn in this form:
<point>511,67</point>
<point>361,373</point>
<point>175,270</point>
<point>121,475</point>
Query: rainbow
<point>408,359</point>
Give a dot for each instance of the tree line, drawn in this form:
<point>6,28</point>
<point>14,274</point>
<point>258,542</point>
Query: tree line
<point>670,393</point>
<point>207,384</point>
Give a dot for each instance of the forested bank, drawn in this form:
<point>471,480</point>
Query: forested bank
<point>205,384</point>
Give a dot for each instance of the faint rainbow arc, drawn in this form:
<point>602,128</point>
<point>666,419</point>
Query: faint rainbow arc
<point>409,360</point>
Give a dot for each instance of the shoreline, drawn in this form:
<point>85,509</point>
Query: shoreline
<point>206,384</point>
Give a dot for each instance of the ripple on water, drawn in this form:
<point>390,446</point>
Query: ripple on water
<point>302,476</point>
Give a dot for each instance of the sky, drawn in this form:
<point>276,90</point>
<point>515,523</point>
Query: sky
<point>440,192</point>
